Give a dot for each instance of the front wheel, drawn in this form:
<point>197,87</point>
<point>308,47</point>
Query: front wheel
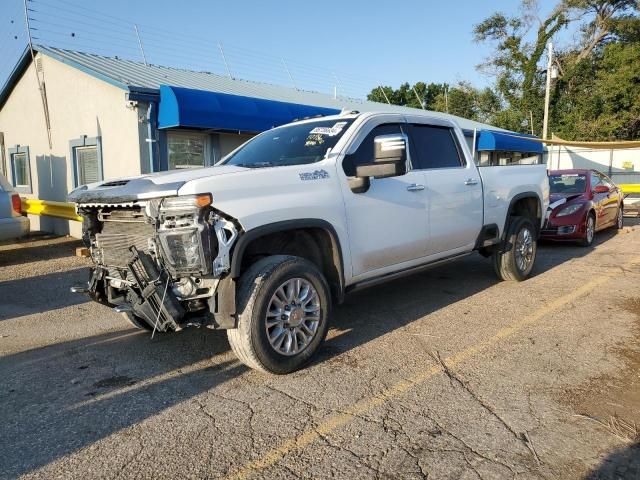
<point>283,314</point>
<point>136,321</point>
<point>589,230</point>
<point>620,218</point>
<point>519,255</point>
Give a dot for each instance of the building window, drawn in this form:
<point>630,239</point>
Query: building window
<point>20,169</point>
<point>86,155</point>
<point>187,150</point>
<point>500,158</point>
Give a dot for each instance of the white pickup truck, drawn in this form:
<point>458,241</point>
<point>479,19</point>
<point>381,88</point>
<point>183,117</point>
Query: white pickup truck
<point>263,243</point>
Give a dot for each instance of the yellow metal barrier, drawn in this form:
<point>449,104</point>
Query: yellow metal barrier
<point>50,209</point>
<point>630,187</point>
<point>68,210</point>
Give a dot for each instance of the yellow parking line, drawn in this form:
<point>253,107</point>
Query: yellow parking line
<point>340,419</point>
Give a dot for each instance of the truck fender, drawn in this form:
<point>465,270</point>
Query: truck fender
<point>511,210</point>
<point>246,238</point>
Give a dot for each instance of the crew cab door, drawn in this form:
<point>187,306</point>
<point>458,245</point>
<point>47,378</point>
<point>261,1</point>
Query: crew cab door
<point>606,204</point>
<point>453,186</point>
<point>610,200</point>
<point>387,223</point>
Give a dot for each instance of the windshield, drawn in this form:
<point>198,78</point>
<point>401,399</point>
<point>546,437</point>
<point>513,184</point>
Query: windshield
<point>568,183</point>
<point>296,144</point>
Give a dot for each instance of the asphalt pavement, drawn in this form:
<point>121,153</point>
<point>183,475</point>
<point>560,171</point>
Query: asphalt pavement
<point>445,374</point>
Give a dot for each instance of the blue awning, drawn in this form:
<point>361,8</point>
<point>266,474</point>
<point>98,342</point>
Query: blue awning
<point>185,107</point>
<point>508,142</point>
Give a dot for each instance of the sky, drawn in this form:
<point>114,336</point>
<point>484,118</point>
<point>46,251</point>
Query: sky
<point>347,45</point>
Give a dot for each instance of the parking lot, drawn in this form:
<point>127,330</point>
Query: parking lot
<point>446,374</point>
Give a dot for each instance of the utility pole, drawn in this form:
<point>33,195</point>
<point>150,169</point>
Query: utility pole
<point>547,92</point>
<point>446,98</point>
<point>531,121</point>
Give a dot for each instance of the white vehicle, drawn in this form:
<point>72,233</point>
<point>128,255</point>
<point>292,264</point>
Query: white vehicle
<point>264,242</point>
<point>13,224</point>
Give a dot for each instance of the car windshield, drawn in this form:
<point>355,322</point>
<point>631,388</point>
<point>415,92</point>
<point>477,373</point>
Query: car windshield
<point>568,183</point>
<point>296,144</point>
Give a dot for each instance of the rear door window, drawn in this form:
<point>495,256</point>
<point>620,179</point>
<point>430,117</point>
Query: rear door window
<point>435,147</point>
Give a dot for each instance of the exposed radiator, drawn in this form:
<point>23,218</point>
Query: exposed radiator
<point>116,239</point>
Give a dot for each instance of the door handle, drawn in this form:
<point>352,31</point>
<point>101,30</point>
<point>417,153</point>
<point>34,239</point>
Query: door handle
<point>414,187</point>
<point>471,181</point>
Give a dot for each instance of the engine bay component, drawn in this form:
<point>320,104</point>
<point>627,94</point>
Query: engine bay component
<point>152,299</point>
<point>226,233</point>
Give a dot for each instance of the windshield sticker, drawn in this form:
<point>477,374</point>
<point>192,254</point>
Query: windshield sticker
<point>316,175</point>
<point>313,140</point>
<point>331,131</point>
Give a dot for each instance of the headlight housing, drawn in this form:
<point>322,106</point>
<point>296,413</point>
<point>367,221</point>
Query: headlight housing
<point>570,210</point>
<point>186,202</point>
<point>183,250</point>
<point>184,234</point>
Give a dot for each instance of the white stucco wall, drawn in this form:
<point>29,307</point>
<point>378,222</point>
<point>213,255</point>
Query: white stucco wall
<point>623,164</point>
<point>79,104</point>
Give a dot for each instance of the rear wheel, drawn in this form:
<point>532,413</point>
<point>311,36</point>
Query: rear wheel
<point>283,314</point>
<point>589,230</point>
<point>516,262</point>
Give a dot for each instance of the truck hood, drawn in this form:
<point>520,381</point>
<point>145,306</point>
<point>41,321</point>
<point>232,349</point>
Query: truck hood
<point>161,184</point>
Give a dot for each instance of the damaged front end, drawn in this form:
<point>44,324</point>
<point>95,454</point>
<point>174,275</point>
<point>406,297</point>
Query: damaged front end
<point>163,261</point>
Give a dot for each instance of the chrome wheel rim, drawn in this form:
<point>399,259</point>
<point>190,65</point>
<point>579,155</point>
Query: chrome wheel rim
<point>524,249</point>
<point>591,229</point>
<point>293,316</point>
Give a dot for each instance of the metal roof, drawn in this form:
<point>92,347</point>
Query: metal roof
<point>132,75</point>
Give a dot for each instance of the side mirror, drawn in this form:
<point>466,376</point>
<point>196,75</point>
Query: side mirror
<point>601,189</point>
<point>389,160</point>
<point>389,157</point>
<point>390,148</point>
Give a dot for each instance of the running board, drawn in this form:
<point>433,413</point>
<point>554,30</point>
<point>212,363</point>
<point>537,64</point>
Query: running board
<point>402,273</point>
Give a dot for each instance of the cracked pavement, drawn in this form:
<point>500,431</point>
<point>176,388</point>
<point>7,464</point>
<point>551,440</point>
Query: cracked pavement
<point>446,374</point>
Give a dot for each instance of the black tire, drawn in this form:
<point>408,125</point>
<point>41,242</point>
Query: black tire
<point>136,321</point>
<point>505,263</point>
<point>620,217</point>
<point>256,289</point>
<point>587,241</point>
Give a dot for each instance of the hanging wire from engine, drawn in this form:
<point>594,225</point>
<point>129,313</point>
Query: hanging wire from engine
<point>155,325</point>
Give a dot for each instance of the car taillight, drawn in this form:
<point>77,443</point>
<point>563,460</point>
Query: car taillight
<point>16,203</point>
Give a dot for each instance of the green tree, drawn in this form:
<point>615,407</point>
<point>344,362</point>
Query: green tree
<point>600,99</point>
<point>515,60</point>
<point>597,93</point>
<point>466,101</point>
<point>407,95</point>
<point>462,100</point>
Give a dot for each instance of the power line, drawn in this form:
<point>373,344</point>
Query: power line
<point>73,25</point>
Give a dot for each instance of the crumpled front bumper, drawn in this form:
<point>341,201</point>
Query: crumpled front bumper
<point>569,227</point>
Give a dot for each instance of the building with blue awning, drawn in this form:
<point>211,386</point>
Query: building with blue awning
<point>108,117</point>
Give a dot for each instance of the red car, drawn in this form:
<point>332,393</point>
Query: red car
<point>581,203</point>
